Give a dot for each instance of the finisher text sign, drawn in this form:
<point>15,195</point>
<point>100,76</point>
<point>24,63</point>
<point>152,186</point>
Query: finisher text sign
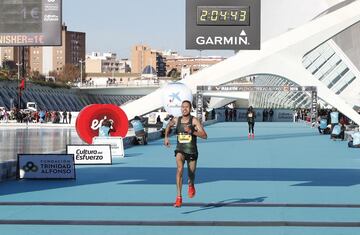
<point>46,166</point>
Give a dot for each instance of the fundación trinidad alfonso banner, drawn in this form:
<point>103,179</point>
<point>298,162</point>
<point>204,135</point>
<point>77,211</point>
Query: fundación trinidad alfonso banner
<point>46,166</point>
<point>92,116</point>
<point>90,154</point>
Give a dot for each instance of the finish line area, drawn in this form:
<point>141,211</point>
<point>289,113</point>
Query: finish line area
<point>288,180</point>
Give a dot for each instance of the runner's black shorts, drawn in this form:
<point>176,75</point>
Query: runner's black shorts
<point>188,156</point>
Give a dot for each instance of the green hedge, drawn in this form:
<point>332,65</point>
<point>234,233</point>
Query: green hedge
<point>50,84</point>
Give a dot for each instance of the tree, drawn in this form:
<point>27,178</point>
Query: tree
<point>36,76</point>
<point>69,73</point>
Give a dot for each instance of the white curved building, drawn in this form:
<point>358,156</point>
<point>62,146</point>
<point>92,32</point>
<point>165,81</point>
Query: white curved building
<point>320,48</point>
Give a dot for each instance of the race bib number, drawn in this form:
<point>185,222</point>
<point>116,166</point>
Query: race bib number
<point>250,115</point>
<point>184,138</point>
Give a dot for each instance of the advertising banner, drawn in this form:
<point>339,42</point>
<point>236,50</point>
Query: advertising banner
<point>90,154</point>
<point>46,166</point>
<point>262,115</point>
<point>116,143</point>
<point>91,118</point>
<point>30,23</point>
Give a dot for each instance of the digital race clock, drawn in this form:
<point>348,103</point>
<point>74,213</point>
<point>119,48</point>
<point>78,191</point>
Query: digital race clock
<point>223,24</point>
<point>223,15</point>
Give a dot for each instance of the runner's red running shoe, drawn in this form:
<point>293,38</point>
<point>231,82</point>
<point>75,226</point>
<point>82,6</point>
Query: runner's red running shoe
<point>253,135</point>
<point>178,201</point>
<point>191,191</point>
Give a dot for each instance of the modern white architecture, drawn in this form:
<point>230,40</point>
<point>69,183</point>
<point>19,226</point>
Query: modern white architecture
<point>317,53</point>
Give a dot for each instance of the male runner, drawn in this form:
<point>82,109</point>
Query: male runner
<point>188,128</point>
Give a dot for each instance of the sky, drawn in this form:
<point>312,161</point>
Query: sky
<point>117,25</point>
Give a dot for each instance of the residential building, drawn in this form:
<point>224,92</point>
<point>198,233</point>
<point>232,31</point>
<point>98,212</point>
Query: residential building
<point>54,58</point>
<point>106,63</point>
<point>143,56</point>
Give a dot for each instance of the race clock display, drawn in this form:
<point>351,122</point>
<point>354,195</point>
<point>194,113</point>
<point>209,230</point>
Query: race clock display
<point>223,15</point>
<point>223,24</point>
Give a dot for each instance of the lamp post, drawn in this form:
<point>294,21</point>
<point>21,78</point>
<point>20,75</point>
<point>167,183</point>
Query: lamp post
<point>18,77</point>
<point>18,64</point>
<point>19,89</point>
<point>81,71</point>
<point>18,71</point>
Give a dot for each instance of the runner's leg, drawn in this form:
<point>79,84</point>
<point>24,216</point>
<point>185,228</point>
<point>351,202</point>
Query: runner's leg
<point>180,159</point>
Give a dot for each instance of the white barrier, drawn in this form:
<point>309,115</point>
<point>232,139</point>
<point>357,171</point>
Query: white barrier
<point>90,154</point>
<point>116,143</point>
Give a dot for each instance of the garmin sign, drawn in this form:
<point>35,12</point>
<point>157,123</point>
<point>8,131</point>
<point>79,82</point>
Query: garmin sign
<point>221,25</point>
<point>242,39</point>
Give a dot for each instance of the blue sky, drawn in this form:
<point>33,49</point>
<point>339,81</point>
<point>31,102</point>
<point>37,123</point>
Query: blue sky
<point>117,25</point>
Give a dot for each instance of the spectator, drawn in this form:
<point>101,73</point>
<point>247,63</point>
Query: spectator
<point>295,116</point>
<point>234,115</point>
<point>323,126</point>
<point>355,139</point>
<point>213,114</point>
<point>265,115</point>
<point>271,114</point>
<point>140,133</point>
<point>338,132</point>
<point>334,118</point>
<point>64,116</point>
<point>69,115</point>
<point>106,128</point>
<point>226,114</point>
<point>42,116</point>
<point>6,116</point>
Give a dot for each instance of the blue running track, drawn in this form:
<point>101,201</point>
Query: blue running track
<point>288,180</point>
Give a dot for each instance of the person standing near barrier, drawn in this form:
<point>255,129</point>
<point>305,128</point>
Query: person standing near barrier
<point>140,133</point>
<point>251,116</point>
<point>226,114</point>
<point>106,128</point>
<point>69,115</point>
<point>334,118</point>
<point>64,116</point>
<point>188,128</point>
<point>323,126</point>
<point>355,139</point>
<point>271,114</point>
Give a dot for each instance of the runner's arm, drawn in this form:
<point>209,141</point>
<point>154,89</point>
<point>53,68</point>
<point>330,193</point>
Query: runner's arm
<point>171,123</point>
<point>199,129</point>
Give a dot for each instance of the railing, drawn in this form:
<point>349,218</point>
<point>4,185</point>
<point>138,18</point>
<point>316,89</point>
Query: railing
<point>134,83</point>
